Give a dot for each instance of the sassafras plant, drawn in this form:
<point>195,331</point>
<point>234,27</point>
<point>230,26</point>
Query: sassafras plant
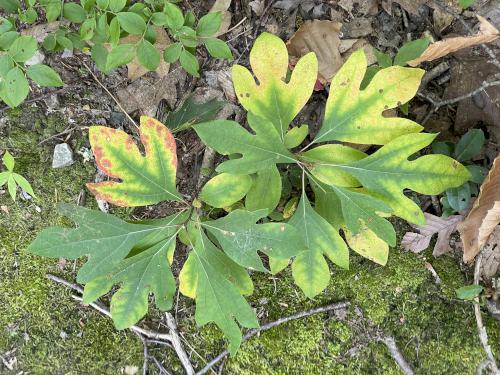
<point>339,190</point>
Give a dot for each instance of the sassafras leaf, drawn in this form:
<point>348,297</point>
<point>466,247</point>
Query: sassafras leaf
<point>145,179</point>
<point>273,97</point>
<point>354,115</point>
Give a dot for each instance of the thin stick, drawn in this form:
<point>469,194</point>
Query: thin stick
<point>176,343</point>
<point>483,335</point>
<point>397,355</point>
<point>103,310</point>
<point>265,327</point>
<point>109,93</point>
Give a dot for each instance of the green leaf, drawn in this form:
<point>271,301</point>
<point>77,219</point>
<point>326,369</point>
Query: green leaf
<point>367,244</point>
<point>324,160</point>
<point>274,98</point>
<point>464,4</point>
<point>172,52</point>
<point>52,9</point>
<point>209,24</point>
<point>469,145</point>
<point>117,5</point>
<point>44,75</point>
<point>387,172</point>
<point>7,38</point>
<point>87,29</point>
<point>145,271</point>
<point>411,51</point>
<point>49,43</point>
<point>241,238</point>
<point>352,115</point>
<point>443,148</point>
<point>309,269</point>
<point>4,177</point>
<point>191,113</point>
<point>6,64</point>
<point>5,25</point>
<point>159,19</point>
<point>225,189</point>
<point>15,88</point>
<point>12,187</point>
<point>120,55</point>
<point>218,48</point>
<point>295,136</point>
<point>114,31</point>
<point>189,62</point>
<point>8,161</point>
<point>11,6</point>
<point>265,192</point>
<point>74,12</point>
<point>469,292</point>
<point>188,37</point>
<point>258,151</point>
<point>477,173</point>
<point>217,284</point>
<point>132,23</point>
<point>145,179</point>
<point>103,4</point>
<point>103,238</point>
<point>459,198</point>
<point>383,59</point>
<point>23,48</point>
<point>100,55</point>
<point>148,55</point>
<point>24,184</point>
<point>175,19</point>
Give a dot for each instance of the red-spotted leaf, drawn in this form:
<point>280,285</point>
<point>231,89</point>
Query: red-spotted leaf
<point>144,179</point>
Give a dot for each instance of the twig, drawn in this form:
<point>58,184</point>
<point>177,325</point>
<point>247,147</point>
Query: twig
<point>483,335</point>
<point>162,369</point>
<point>146,354</point>
<point>103,310</point>
<point>397,355</point>
<point>176,343</point>
<point>265,327</point>
<point>109,93</point>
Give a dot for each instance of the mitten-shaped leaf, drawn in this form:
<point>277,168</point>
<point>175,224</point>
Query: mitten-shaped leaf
<point>310,269</point>
<point>259,151</point>
<point>273,97</point>
<point>146,270</point>
<point>147,179</point>
<point>354,115</point>
<point>217,284</point>
<point>105,239</point>
<point>241,238</point>
<point>388,171</point>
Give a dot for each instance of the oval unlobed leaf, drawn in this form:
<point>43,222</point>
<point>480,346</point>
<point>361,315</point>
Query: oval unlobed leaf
<point>44,75</point>
<point>225,189</point>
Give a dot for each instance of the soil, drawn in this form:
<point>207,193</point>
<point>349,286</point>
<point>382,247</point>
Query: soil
<point>43,330</point>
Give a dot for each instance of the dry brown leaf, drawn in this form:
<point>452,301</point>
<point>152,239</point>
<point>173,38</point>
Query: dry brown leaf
<point>484,215</point>
<point>366,46</point>
<point>135,69</point>
<point>487,33</point>
<point>222,6</point>
<point>40,32</point>
<point>418,242</point>
<point>490,265</point>
<point>322,38</point>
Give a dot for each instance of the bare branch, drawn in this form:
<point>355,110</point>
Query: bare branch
<point>397,355</point>
<point>176,343</point>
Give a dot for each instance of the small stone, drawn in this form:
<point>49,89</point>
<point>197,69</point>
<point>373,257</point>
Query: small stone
<point>63,156</point>
<point>63,335</point>
<point>117,119</point>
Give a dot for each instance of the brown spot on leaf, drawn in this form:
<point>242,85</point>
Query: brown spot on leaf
<point>381,91</point>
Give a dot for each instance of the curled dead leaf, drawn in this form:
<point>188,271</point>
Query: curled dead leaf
<point>322,38</point>
<point>484,215</point>
<point>223,6</point>
<point>487,33</point>
<point>417,242</point>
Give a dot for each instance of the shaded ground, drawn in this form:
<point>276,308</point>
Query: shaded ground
<point>46,331</point>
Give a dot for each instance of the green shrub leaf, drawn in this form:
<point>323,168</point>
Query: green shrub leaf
<point>131,22</point>
<point>265,191</point>
<point>411,51</point>
<point>469,145</point>
<point>15,87</point>
<point>44,75</point>
<point>148,55</point>
<point>218,48</point>
<point>23,48</point>
<point>74,12</point>
<point>172,52</point>
<point>209,24</point>
<point>189,62</point>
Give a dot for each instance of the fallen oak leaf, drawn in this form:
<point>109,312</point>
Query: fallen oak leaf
<point>322,38</point>
<point>484,215</point>
<point>487,33</point>
<point>418,242</point>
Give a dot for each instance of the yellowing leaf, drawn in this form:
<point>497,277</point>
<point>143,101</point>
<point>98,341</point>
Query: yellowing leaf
<point>225,189</point>
<point>367,244</point>
<point>354,115</point>
<point>484,215</point>
<point>273,97</point>
<point>145,179</point>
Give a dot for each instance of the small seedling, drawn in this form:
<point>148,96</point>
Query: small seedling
<point>12,179</point>
<point>470,145</point>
